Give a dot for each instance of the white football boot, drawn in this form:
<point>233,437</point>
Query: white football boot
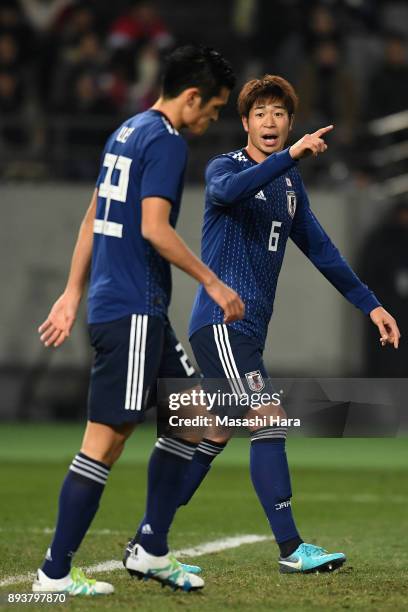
<point>165,569</point>
<point>76,583</point>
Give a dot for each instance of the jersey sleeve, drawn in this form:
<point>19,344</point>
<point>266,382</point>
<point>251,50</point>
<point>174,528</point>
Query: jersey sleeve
<point>227,184</point>
<point>313,241</point>
<point>163,168</point>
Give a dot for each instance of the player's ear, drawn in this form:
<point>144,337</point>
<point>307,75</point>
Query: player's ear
<point>245,123</point>
<point>291,122</point>
<point>191,96</point>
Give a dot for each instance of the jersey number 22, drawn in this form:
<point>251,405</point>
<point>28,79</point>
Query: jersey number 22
<point>117,192</point>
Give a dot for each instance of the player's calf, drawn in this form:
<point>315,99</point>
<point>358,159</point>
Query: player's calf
<point>199,467</point>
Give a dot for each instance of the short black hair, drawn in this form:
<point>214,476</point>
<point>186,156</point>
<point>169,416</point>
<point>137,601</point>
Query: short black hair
<point>196,66</point>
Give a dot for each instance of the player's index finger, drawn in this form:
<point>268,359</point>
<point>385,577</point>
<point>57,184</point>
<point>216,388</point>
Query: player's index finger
<point>324,130</point>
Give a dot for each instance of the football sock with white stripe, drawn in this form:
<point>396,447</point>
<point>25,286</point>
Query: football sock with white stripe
<point>270,477</point>
<point>78,503</point>
<point>167,469</point>
<point>199,467</point>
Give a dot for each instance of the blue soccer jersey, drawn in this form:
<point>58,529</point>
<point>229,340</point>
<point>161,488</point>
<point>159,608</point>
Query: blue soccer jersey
<point>251,210</point>
<point>144,157</point>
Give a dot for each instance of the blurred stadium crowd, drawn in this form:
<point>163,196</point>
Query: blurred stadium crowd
<point>70,70</point>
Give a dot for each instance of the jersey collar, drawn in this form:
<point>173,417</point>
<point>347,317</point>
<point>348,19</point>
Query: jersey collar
<point>159,112</point>
<point>247,155</point>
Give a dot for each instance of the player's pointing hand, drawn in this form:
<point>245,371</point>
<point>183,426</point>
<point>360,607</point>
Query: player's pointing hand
<point>387,326</point>
<point>310,144</point>
<point>322,131</point>
<point>227,299</point>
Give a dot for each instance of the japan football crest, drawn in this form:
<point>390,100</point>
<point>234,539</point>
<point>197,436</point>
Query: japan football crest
<point>255,380</point>
<point>291,199</point>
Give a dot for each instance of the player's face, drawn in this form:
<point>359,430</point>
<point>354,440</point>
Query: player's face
<point>268,126</point>
<point>197,117</point>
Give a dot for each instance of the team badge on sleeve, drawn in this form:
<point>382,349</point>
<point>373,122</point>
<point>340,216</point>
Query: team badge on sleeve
<point>291,199</point>
<point>255,380</point>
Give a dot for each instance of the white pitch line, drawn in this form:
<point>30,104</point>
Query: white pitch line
<point>201,549</point>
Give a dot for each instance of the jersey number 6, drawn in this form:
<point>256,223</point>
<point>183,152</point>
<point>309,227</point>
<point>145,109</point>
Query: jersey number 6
<point>117,192</point>
<point>274,236</point>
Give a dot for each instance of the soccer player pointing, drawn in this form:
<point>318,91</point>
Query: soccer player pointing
<point>255,202</point>
<point>128,238</point>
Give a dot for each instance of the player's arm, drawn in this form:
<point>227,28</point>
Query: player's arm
<point>227,184</point>
<point>313,241</point>
<point>163,237</point>
<point>162,179</point>
<point>56,328</point>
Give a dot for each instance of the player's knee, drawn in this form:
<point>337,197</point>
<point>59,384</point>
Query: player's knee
<point>116,452</point>
<point>219,438</point>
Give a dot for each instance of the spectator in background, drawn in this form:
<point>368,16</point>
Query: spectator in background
<point>140,24</point>
<point>10,56</point>
<point>143,92</point>
<point>43,15</point>
<point>388,90</point>
<point>87,99</point>
<point>116,84</point>
<point>328,92</point>
<point>91,115</point>
<point>136,37</point>
<point>67,28</point>
<point>384,266</point>
<point>14,24</point>
<point>322,26</point>
<point>307,27</point>
<point>87,56</point>
<point>12,131</point>
<point>77,22</point>
<point>12,92</point>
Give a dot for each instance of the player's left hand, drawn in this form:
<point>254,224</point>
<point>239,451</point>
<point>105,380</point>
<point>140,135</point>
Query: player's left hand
<point>387,326</point>
<point>57,326</point>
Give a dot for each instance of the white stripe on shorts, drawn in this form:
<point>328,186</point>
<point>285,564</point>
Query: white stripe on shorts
<point>232,360</point>
<point>227,359</point>
<point>136,362</point>
<point>130,361</point>
<point>139,398</point>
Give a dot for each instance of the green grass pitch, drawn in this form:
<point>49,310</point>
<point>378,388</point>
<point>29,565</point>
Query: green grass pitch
<point>350,495</point>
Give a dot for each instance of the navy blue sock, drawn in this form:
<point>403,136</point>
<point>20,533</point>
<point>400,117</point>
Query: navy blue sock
<point>78,503</point>
<point>271,480</point>
<point>199,467</point>
<point>167,468</point>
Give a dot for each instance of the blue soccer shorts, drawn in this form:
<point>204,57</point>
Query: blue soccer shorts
<point>233,362</point>
<point>131,354</point>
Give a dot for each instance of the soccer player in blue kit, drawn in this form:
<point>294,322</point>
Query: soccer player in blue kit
<point>128,239</point>
<point>255,201</point>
